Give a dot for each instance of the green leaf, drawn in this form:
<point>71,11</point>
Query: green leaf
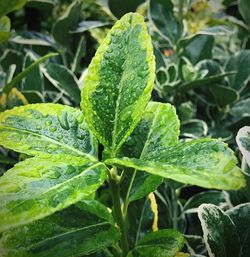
<point>240,215</point>
<point>243,141</point>
<point>220,233</point>
<point>4,29</point>
<point>63,79</point>
<point>162,243</point>
<point>42,185</point>
<point>87,25</point>
<point>66,22</point>
<point>75,231</point>
<point>15,80</point>
<point>214,197</point>
<point>224,95</point>
<point>34,79</point>
<point>198,47</point>
<point>204,162</point>
<point>194,128</point>
<point>161,15</point>
<point>241,108</point>
<point>9,6</point>
<point>119,82</point>
<point>240,62</point>
<point>45,6</point>
<point>244,8</point>
<point>158,129</point>
<point>46,128</point>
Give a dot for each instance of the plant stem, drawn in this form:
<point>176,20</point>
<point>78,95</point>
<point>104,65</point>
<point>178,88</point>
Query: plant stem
<point>180,19</point>
<point>115,192</point>
<point>175,209</point>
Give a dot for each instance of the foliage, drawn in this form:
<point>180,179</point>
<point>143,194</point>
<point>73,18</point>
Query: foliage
<point>124,176</point>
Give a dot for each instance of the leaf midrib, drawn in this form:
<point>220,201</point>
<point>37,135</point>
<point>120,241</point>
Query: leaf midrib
<point>91,157</point>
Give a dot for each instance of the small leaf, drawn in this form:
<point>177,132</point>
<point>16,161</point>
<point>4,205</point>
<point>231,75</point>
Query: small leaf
<point>87,25</point>
<point>66,22</point>
<point>119,82</point>
<point>241,108</point>
<point>220,233</point>
<point>240,215</point>
<point>63,79</point>
<point>4,29</point>
<point>10,6</point>
<point>76,231</point>
<point>243,141</point>
<point>204,162</point>
<point>42,185</point>
<point>46,128</point>
<point>161,14</point>
<point>240,62</point>
<point>162,243</point>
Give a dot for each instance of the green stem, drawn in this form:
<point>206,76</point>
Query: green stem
<point>115,192</point>
<point>126,202</point>
<point>175,209</point>
<point>180,19</point>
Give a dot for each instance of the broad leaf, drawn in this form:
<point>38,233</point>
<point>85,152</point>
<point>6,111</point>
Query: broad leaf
<point>220,234</point>
<point>46,128</point>
<point>163,243</point>
<point>240,62</point>
<point>207,163</point>
<point>119,82</point>
<point>75,231</point>
<point>42,185</point>
<point>158,129</point>
<point>240,215</point>
<point>244,8</point>
<point>161,14</point>
<point>88,25</point>
<point>241,108</point>
<point>63,79</point>
<point>9,6</point>
<point>243,141</point>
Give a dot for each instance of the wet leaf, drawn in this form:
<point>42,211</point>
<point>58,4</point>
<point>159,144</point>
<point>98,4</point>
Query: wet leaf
<point>42,185</point>
<point>158,129</point>
<point>75,231</point>
<point>206,162</point>
<point>119,82</point>
<point>46,128</point>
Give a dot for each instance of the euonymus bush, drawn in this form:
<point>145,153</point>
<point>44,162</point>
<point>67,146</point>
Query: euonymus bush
<point>48,204</point>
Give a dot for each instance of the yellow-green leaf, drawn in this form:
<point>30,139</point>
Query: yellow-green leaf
<point>119,82</point>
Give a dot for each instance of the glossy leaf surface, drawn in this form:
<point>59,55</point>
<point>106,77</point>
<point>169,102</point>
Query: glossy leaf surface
<point>158,129</point>
<point>46,128</point>
<point>240,215</point>
<point>75,231</point>
<point>243,141</point>
<point>204,162</point>
<point>119,82</point>
<point>42,185</point>
<point>220,233</point>
<point>162,243</point>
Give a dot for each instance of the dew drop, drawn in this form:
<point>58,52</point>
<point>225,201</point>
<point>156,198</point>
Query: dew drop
<point>54,174</point>
<point>48,122</point>
<point>52,129</point>
<point>38,127</point>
